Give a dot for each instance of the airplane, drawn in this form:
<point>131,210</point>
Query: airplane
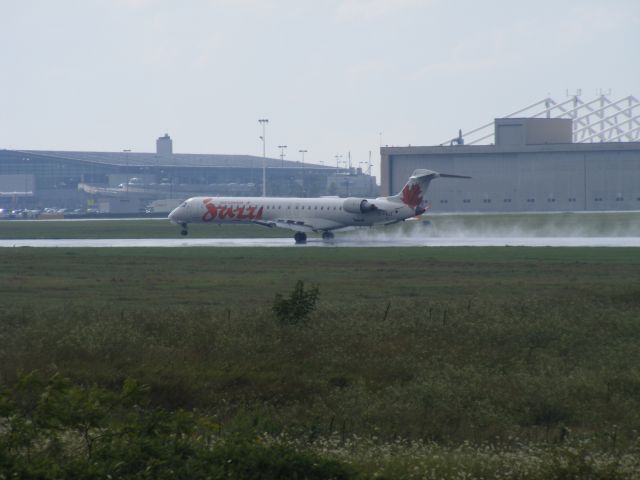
<point>323,215</point>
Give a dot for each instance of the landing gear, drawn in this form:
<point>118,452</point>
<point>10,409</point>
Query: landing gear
<point>300,238</point>
<point>184,232</point>
<point>327,236</point>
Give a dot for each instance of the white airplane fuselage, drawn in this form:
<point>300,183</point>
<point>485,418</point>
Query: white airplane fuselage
<point>323,214</point>
<point>299,214</point>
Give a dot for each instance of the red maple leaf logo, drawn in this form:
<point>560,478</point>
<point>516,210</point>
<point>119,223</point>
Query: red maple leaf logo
<point>412,195</point>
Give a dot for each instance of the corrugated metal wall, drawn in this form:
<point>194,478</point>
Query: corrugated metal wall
<point>527,181</point>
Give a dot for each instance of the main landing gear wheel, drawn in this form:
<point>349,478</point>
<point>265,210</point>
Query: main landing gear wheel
<point>300,237</point>
<point>184,232</point>
<point>327,236</point>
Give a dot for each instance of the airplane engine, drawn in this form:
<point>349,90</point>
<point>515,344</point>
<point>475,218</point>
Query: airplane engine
<point>358,205</point>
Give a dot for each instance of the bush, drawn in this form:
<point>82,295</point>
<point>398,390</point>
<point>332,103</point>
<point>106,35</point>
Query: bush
<point>54,429</point>
<point>298,306</point>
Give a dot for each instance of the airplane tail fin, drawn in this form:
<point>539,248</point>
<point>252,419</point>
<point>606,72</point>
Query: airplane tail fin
<point>413,193</point>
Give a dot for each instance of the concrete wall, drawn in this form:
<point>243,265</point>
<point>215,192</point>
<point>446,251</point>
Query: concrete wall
<point>550,178</point>
<point>532,131</point>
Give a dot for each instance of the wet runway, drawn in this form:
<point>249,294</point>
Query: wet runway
<point>346,241</point>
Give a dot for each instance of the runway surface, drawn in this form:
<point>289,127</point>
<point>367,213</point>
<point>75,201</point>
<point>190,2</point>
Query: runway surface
<point>354,242</point>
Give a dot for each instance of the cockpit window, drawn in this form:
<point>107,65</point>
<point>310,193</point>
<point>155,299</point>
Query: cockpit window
<point>183,205</point>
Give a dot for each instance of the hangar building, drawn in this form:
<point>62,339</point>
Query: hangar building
<point>535,164</point>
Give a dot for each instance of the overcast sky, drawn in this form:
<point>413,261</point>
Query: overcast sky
<point>332,76</point>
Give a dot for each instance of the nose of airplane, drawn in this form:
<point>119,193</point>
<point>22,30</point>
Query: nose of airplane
<point>173,215</point>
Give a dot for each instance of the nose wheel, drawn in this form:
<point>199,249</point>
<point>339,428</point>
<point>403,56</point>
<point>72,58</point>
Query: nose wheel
<point>184,232</point>
<point>300,238</point>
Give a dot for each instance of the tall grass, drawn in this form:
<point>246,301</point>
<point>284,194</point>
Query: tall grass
<point>484,363</point>
<point>439,372</point>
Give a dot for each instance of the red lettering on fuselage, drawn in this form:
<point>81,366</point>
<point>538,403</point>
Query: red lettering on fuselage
<point>252,215</point>
<point>225,212</point>
<point>240,213</point>
<point>212,211</point>
<point>222,212</point>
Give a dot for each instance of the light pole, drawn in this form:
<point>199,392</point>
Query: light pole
<point>263,122</point>
<point>338,157</point>
<point>26,183</point>
<point>303,177</point>
<point>282,147</point>
<point>126,182</point>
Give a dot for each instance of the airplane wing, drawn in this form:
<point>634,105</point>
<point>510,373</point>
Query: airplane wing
<point>296,225</point>
<point>304,225</point>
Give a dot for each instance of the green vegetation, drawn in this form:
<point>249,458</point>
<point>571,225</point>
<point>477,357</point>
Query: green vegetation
<point>414,363</point>
<point>534,224</point>
<point>58,430</point>
<point>295,309</point>
<point>156,228</point>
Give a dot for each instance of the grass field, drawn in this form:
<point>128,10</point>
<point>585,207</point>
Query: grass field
<point>533,224</point>
<point>154,228</point>
<point>247,279</point>
<point>416,363</point>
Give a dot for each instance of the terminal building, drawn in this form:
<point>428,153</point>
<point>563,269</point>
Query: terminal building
<point>571,156</point>
<point>131,182</point>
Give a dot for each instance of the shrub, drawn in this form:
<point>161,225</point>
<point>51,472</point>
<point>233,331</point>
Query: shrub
<point>55,429</point>
<point>295,309</point>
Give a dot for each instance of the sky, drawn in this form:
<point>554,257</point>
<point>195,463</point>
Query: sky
<point>334,77</point>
